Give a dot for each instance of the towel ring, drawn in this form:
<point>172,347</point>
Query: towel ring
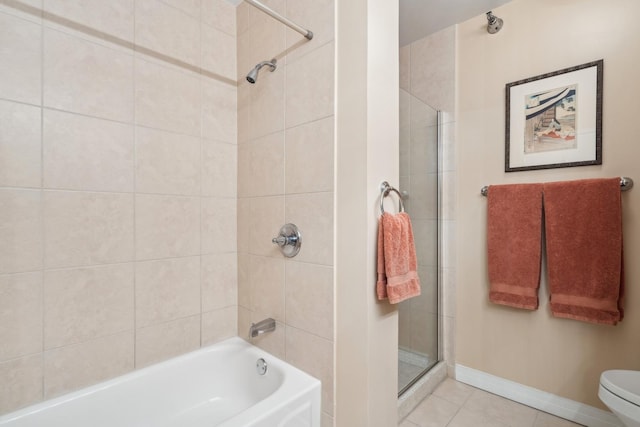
<point>385,189</point>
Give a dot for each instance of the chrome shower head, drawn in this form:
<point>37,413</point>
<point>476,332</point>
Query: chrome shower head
<point>494,24</point>
<point>253,74</point>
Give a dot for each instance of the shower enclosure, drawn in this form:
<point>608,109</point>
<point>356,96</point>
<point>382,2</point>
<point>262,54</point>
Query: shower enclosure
<point>419,346</point>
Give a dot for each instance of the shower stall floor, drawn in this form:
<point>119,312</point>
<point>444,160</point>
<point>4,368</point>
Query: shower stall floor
<point>410,366</point>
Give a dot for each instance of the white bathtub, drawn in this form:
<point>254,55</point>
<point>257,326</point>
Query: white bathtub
<point>214,386</point>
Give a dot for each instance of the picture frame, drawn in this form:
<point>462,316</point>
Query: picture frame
<point>554,120</point>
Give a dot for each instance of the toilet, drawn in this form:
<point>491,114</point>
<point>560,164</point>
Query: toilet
<point>620,391</point>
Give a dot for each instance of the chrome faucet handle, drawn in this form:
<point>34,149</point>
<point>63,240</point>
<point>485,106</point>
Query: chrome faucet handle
<point>289,240</point>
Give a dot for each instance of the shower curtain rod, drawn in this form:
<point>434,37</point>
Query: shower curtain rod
<point>275,15</point>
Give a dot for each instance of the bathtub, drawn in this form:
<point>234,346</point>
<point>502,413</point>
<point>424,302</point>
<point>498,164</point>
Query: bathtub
<point>214,386</point>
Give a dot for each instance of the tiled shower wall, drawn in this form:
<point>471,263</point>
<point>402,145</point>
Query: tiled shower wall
<point>419,168</point>
<point>427,72</point>
<point>286,169</point>
<point>117,188</point>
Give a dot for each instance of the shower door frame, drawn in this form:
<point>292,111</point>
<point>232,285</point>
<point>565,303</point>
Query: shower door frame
<point>439,240</point>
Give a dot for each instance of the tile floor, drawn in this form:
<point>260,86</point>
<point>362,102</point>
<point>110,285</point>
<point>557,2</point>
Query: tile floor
<point>454,404</point>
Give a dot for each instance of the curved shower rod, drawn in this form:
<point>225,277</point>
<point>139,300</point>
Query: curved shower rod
<point>275,15</point>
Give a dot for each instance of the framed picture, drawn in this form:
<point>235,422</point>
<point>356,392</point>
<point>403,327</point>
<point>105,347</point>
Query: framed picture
<point>555,120</point>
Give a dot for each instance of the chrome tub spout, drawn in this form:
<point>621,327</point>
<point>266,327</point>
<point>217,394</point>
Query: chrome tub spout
<point>262,327</point>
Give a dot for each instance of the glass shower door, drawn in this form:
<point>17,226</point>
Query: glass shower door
<point>418,317</point>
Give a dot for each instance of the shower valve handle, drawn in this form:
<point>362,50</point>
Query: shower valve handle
<point>289,240</point>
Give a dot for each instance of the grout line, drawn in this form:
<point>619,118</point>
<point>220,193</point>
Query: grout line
<point>201,114</point>
<point>135,193</point>
<point>42,209</point>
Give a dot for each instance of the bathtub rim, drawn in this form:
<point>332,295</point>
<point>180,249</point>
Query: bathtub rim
<point>293,385</point>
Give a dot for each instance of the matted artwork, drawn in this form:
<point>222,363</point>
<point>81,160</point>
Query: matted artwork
<point>555,120</point>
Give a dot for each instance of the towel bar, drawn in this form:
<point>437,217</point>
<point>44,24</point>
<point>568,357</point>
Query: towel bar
<point>385,189</point>
<point>626,183</point>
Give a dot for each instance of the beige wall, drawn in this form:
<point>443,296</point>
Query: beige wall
<point>285,174</point>
<point>117,188</point>
<point>366,154</point>
<point>563,357</point>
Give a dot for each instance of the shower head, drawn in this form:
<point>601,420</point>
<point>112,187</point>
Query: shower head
<point>253,74</point>
<point>494,24</point>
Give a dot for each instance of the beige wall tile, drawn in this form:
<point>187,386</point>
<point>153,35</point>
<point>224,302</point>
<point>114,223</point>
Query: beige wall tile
<point>219,278</point>
<point>257,17</point>
<point>113,18</point>
<point>449,254</point>
<point>309,298</point>
<point>433,81</point>
<point>218,52</point>
<point>244,286</point>
<point>423,192</point>
<point>167,226</point>
<point>266,108</point>
<point>219,14</point>
<point>244,121</point>
<point>168,31</point>
<point>21,383</point>
<point>404,324</point>
<point>219,169</point>
<point>267,216</point>
<point>405,64</point>
<point>327,420</point>
<point>87,228</point>
<point>87,78</point>
<point>244,218</point>
<point>81,365</point>
<point>219,325</point>
<point>219,111</point>
<point>167,99</point>
<point>219,224</point>
<point>166,340</point>
<point>313,214</point>
<point>20,315</point>
<point>448,146</point>
<point>313,355</point>
<point>449,180</point>
<point>310,77</point>
<point>266,276</point>
<point>87,303</point>
<point>84,153</point>
<point>268,35</point>
<point>244,171</point>
<point>21,219</point>
<point>190,7</point>
<point>314,15</point>
<point>309,157</point>
<point>21,56</point>
<point>167,163</point>
<point>27,9</point>
<point>166,290</point>
<point>261,166</point>
<point>20,145</point>
<point>244,321</point>
<point>425,239</point>
<point>246,61</point>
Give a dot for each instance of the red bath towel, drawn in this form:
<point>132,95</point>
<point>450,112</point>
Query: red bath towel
<point>397,265</point>
<point>583,221</point>
<point>514,244</point>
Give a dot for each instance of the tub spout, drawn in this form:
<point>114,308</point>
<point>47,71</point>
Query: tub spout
<point>263,326</point>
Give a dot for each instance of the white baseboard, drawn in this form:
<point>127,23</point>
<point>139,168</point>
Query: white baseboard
<point>538,399</point>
